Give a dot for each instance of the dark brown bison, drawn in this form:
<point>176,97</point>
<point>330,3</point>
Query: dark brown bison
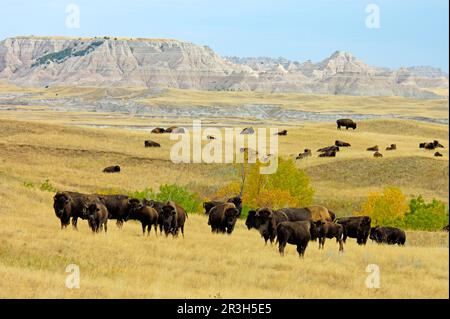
<point>346,122</point>
<point>306,153</point>
<point>446,228</point>
<point>388,235</point>
<point>149,143</point>
<point>237,201</point>
<point>117,206</point>
<point>69,205</point>
<point>222,218</point>
<point>437,154</point>
<point>174,217</point>
<point>170,129</point>
<point>250,220</point>
<point>210,137</point>
<point>373,148</point>
<point>328,154</point>
<point>356,227</point>
<point>330,230</point>
<point>283,132</point>
<point>248,130</point>
<point>329,149</point>
<point>158,130</point>
<point>377,155</point>
<point>158,206</point>
<point>112,169</point>
<point>341,143</point>
<point>144,213</point>
<point>295,233</point>
<point>391,147</point>
<point>437,144</point>
<point>97,216</point>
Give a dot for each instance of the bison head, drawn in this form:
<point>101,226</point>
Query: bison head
<point>250,221</point>
<point>237,201</point>
<point>61,205</point>
<point>262,216</point>
<point>134,205</point>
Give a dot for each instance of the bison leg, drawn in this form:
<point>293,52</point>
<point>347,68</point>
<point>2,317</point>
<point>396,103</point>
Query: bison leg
<point>182,230</point>
<point>323,242</point>
<point>156,229</point>
<point>143,229</point>
<point>119,223</point>
<point>74,223</point>
<point>301,250</point>
<point>341,245</point>
<point>106,226</point>
<point>281,246</point>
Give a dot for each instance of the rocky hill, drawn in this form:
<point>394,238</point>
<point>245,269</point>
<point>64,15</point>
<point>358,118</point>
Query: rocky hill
<point>109,61</point>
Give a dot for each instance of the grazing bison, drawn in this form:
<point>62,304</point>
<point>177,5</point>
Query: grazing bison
<point>329,149</point>
<point>174,217</point>
<point>295,233</point>
<point>377,154</point>
<point>112,169</point>
<point>71,205</point>
<point>341,143</point>
<point>347,123</point>
<point>144,213</point>
<point>149,143</point>
<point>388,235</point>
<point>328,154</point>
<point>283,132</point>
<point>373,148</point>
<point>158,130</point>
<point>97,216</point>
<point>330,230</point>
<point>266,221</point>
<point>222,218</point>
<point>391,147</point>
<point>248,130</point>
<point>306,153</point>
<point>210,137</point>
<point>356,227</point>
<point>429,146</point>
<point>437,154</point>
<point>117,206</point>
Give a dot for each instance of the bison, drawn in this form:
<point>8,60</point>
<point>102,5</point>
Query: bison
<point>149,143</point>
<point>170,129</point>
<point>117,206</point>
<point>158,130</point>
<point>222,218</point>
<point>112,169</point>
<point>71,205</point>
<point>373,148</point>
<point>341,143</point>
<point>306,153</point>
<point>173,218</point>
<point>329,149</point>
<point>97,216</point>
<point>144,213</point>
<point>437,144</point>
<point>283,133</point>
<point>266,221</point>
<point>297,233</point>
<point>347,123</point>
<point>356,227</point>
<point>158,206</point>
<point>248,130</point>
<point>210,137</point>
<point>237,201</point>
<point>330,230</point>
<point>377,155</point>
<point>391,147</point>
<point>437,154</point>
<point>388,235</point>
<point>328,154</point>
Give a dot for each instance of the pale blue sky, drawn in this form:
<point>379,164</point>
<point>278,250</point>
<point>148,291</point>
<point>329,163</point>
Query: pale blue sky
<point>412,32</point>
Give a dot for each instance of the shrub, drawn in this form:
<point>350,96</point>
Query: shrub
<point>386,208</point>
<point>47,186</point>
<point>189,201</point>
<point>426,216</point>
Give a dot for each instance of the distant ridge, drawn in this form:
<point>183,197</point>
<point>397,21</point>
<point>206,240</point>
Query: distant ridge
<point>121,61</point>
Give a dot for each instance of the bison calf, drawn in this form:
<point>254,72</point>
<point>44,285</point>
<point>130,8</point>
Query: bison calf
<point>146,214</point>
<point>97,215</point>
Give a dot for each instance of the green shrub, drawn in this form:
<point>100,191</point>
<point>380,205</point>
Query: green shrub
<point>426,216</point>
<point>47,186</point>
<point>28,184</point>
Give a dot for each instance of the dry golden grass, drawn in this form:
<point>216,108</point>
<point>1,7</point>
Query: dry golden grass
<point>34,252</point>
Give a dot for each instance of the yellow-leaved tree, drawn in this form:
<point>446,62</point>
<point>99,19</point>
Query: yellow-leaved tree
<point>385,208</point>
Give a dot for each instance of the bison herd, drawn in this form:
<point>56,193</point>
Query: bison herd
<point>299,226</point>
<point>97,209</point>
<point>331,151</point>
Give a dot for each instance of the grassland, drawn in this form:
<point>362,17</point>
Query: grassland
<point>34,252</point>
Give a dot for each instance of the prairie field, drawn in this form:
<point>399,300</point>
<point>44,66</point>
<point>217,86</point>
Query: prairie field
<point>40,145</point>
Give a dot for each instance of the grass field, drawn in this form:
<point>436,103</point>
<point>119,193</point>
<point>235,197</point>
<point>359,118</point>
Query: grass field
<point>34,252</point>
